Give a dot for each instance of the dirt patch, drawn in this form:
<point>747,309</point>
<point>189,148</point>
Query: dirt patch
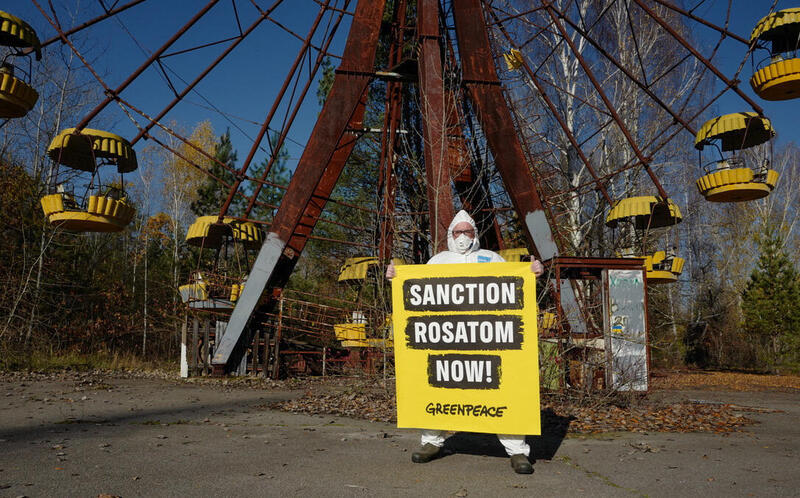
<point>725,381</point>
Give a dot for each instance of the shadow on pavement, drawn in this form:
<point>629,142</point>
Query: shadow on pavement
<point>543,447</point>
<point>186,411</point>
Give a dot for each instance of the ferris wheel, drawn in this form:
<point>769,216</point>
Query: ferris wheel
<point>557,123</point>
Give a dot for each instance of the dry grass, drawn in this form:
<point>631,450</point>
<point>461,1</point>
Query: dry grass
<point>37,361</point>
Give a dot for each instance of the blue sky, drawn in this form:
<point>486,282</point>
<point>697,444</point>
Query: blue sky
<point>244,86</point>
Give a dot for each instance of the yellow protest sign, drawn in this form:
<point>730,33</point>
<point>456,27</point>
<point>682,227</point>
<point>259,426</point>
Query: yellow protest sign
<point>466,347</point>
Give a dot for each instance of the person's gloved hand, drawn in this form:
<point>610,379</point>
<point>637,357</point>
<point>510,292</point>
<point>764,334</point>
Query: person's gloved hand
<point>536,267</point>
<point>390,271</point>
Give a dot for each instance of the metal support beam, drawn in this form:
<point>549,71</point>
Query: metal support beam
<point>265,125</point>
<point>288,122</point>
<point>91,22</point>
<point>349,86</point>
<point>392,120</point>
<point>480,78</point>
<point>431,84</point>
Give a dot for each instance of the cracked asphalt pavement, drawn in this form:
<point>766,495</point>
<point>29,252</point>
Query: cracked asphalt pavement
<point>150,437</point>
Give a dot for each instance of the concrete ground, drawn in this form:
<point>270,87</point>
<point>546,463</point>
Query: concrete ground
<point>145,437</point>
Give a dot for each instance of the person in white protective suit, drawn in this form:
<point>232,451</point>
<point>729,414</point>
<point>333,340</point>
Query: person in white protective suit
<point>464,247</point>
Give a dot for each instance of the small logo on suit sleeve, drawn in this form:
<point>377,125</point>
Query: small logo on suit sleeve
<point>484,259</point>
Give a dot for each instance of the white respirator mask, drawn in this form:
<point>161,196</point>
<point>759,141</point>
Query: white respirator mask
<point>463,243</point>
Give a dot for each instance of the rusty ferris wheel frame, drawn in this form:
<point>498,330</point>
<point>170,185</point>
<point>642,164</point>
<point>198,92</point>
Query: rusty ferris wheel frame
<point>340,122</point>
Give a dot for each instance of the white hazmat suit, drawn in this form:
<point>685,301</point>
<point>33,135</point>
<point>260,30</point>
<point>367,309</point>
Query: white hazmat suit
<point>466,250</point>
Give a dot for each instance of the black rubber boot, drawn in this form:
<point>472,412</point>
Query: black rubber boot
<point>521,465</point>
<point>426,453</point>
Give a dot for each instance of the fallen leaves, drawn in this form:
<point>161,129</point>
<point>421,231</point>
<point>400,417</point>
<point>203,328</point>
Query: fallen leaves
<point>374,406</point>
<point>727,381</point>
<point>675,417</point>
<point>557,416</point>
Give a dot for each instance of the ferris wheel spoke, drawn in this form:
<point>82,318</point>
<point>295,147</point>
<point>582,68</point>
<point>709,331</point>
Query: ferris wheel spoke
<point>713,26</point>
<point>89,23</point>
<point>731,84</point>
<point>289,119</point>
<point>643,85</point>
<point>601,92</point>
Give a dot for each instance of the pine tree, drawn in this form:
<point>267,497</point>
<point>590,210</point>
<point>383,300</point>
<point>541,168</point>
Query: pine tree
<point>212,195</point>
<point>771,303</point>
<point>279,174</point>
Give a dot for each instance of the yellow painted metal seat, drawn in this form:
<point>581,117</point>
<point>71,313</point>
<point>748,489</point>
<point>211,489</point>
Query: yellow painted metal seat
<point>199,294</point>
<point>351,335</point>
<point>78,151</point>
<point>662,271</point>
<point>547,322</point>
<point>14,32</point>
<point>205,232</point>
<point>236,291</point>
<point>103,214</point>
<point>736,185</point>
<point>514,255</point>
<point>778,81</point>
<point>16,96</point>
<point>357,268</point>
<point>380,343</point>
<point>645,212</point>
<point>196,291</point>
<point>735,131</point>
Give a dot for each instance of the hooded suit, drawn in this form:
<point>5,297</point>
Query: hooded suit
<point>473,253</point>
<point>470,253</point>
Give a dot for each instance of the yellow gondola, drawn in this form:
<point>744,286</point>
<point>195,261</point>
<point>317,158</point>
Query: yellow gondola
<point>206,232</point>
<point>737,131</point>
<point>198,295</point>
<point>357,268</point>
<point>662,268</point>
<point>104,213</point>
<point>547,322</point>
<point>17,97</point>
<point>780,78</point>
<point>644,212</point>
<point>218,290</point>
<point>513,59</point>
<point>514,255</point>
<point>731,181</point>
<point>351,335</point>
<point>80,150</point>
<point>16,33</point>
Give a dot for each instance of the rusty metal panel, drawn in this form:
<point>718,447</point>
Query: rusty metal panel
<point>431,83</point>
<point>480,78</point>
